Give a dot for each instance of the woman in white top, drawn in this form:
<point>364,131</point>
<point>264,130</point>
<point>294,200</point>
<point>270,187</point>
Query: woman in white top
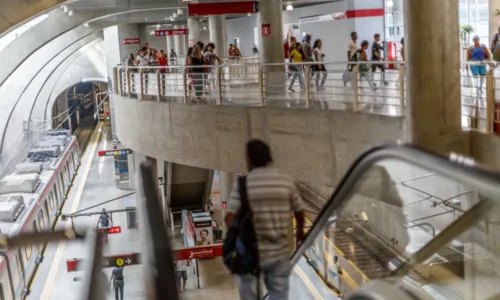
<point>319,69</point>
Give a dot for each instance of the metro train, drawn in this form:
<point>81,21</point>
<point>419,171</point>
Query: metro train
<point>31,197</point>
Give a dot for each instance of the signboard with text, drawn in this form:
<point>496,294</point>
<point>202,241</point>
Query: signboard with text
<point>266,29</point>
<point>202,252</point>
<point>114,152</point>
<point>222,8</point>
<point>108,261</point>
<point>131,41</point>
<point>168,32</point>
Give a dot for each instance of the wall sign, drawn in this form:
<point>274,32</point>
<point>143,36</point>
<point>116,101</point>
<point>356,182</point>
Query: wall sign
<point>222,8</point>
<point>266,29</point>
<point>167,32</point>
<point>131,41</point>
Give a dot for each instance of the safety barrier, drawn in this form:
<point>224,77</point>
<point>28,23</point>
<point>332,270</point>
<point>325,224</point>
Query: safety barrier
<point>242,82</point>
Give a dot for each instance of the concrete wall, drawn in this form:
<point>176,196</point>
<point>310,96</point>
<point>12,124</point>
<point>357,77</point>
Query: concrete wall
<point>128,31</point>
<point>311,145</point>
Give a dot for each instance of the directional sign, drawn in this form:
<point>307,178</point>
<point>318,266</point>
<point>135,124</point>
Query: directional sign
<point>111,230</point>
<point>203,252</point>
<point>108,261</point>
<point>114,152</point>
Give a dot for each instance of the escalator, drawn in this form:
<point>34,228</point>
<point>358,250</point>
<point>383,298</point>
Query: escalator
<point>431,250</point>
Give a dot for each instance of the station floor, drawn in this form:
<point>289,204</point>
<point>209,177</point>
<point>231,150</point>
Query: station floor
<point>94,184</point>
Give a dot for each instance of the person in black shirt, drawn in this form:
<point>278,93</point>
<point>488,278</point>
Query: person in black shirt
<point>118,283</point>
<point>377,50</point>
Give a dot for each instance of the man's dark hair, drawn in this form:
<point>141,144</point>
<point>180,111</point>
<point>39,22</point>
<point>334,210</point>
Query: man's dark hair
<point>144,48</point>
<point>258,153</point>
<point>365,43</point>
<point>353,33</point>
<point>376,35</point>
<point>211,45</point>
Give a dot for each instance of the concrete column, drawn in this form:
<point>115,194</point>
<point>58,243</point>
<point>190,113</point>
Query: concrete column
<point>271,46</point>
<point>161,173</point>
<point>217,28</point>
<point>170,43</point>
<point>194,30</point>
<point>226,180</point>
<point>179,42</point>
<point>433,75</point>
<point>494,19</point>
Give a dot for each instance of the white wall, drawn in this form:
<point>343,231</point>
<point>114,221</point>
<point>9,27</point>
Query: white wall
<point>333,49</point>
<point>242,28</point>
<point>128,31</point>
<point>155,42</point>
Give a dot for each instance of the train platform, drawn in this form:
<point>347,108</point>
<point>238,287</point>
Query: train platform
<point>94,184</point>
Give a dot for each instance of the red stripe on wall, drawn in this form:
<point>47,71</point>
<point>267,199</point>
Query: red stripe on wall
<point>364,13</point>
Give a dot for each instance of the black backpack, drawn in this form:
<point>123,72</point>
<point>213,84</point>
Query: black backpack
<point>240,251</point>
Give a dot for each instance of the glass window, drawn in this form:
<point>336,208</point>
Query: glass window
<point>27,251</point>
<point>41,220</point>
<point>51,201</point>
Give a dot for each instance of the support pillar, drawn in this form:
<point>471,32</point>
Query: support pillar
<point>226,181</point>
<point>493,5</point>
<point>179,42</point>
<point>433,76</point>
<point>217,28</point>
<point>271,45</point>
<point>194,31</point>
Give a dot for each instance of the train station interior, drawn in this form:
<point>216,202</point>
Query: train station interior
<point>124,129</point>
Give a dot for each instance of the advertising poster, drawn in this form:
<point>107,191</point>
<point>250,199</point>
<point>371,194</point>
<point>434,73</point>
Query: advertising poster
<point>204,233</point>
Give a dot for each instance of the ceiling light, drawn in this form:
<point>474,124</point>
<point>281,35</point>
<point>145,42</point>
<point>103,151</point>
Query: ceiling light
<point>64,8</point>
<point>70,13</point>
<point>180,11</point>
<point>389,3</point>
<point>174,15</point>
<point>86,24</point>
<point>204,27</point>
<point>249,14</point>
<point>158,26</point>
<point>289,7</point>
<point>171,18</point>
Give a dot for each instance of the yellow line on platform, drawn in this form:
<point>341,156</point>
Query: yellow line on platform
<point>54,269</point>
<point>310,286</point>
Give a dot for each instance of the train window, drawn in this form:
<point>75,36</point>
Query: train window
<point>27,251</point>
<point>56,194</point>
<point>41,220</point>
<point>51,200</point>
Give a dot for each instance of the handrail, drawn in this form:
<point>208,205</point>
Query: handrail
<point>455,167</point>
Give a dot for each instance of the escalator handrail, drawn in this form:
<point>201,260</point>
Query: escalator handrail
<point>454,167</point>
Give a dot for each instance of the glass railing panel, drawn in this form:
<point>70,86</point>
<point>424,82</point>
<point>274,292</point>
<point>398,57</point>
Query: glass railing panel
<point>392,212</point>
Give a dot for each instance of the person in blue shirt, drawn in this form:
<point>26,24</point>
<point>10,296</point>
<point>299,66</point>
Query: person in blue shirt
<point>477,53</point>
<point>118,282</point>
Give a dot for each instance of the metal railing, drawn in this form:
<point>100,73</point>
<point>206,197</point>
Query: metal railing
<point>243,82</point>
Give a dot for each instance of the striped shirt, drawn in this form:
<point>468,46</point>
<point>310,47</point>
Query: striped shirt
<point>272,197</point>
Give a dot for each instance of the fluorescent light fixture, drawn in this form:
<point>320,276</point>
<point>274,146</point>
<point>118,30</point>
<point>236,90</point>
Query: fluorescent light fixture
<point>389,3</point>
<point>204,27</point>
<point>86,24</point>
<point>174,15</point>
<point>70,13</point>
<point>172,19</point>
<point>289,7</point>
<point>158,26</point>
<point>64,8</point>
<point>180,11</point>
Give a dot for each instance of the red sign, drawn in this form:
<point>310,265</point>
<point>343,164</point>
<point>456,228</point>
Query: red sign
<point>127,259</point>
<point>166,32</point>
<point>132,41</point>
<point>266,29</point>
<point>113,152</point>
<point>113,230</point>
<point>222,8</point>
<point>202,252</point>
<point>224,204</point>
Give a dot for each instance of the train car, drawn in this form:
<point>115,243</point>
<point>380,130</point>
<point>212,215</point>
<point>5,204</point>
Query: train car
<point>31,197</point>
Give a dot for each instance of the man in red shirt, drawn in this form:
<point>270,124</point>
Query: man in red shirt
<point>230,50</point>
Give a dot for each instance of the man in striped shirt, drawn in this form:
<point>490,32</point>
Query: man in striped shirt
<point>272,197</point>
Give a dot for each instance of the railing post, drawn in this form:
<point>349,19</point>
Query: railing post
<point>402,90</point>
<point>355,87</point>
<point>129,85</point>
<point>260,79</point>
<point>141,84</point>
<point>119,88</point>
<point>158,83</point>
<point>219,84</point>
<point>307,73</point>
<point>490,101</point>
<point>185,84</point>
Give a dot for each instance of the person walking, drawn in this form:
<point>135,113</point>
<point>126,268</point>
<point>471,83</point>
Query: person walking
<point>181,267</point>
<point>495,46</point>
<point>319,68</point>
<point>272,197</point>
<point>196,63</point>
<point>478,53</point>
<point>118,283</point>
<point>131,60</point>
<point>297,56</point>
<point>377,50</point>
<point>141,59</point>
<point>173,57</point>
<point>352,46</point>
<point>211,57</point>
<point>364,68</point>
